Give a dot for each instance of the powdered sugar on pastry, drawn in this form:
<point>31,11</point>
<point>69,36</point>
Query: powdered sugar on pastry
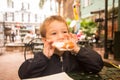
<point>58,44</point>
<point>68,45</point>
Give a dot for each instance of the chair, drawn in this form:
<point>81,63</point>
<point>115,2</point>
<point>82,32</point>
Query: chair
<point>34,46</point>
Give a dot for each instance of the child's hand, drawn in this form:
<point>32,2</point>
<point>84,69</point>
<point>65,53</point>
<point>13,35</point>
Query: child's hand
<point>68,44</point>
<point>73,38</point>
<point>48,49</point>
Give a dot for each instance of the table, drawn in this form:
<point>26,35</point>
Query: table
<point>108,73</point>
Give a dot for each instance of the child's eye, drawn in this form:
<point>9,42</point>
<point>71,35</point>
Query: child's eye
<point>54,33</point>
<point>65,31</point>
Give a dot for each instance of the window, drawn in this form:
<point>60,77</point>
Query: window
<point>35,17</point>
<point>10,3</point>
<point>86,3</point>
<point>12,16</point>
<point>25,6</point>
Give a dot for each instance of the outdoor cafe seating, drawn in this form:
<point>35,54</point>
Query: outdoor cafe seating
<point>110,71</point>
<point>33,46</point>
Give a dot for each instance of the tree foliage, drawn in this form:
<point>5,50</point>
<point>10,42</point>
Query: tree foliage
<point>41,3</point>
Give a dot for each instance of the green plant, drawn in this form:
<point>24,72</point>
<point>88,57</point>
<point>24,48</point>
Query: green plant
<point>88,27</point>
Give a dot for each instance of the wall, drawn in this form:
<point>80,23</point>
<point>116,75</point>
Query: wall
<point>95,5</point>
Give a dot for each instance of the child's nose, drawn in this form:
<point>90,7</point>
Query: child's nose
<point>60,36</point>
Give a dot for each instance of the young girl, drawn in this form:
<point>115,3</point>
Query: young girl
<point>53,60</point>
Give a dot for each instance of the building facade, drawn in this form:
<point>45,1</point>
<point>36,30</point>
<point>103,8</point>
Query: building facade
<point>19,16</point>
<point>88,6</point>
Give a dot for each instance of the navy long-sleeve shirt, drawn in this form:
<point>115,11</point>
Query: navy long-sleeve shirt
<point>87,60</point>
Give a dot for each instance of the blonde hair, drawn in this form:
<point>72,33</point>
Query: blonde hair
<point>48,21</point>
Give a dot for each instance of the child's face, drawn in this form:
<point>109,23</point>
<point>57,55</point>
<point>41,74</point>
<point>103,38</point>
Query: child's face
<point>56,31</point>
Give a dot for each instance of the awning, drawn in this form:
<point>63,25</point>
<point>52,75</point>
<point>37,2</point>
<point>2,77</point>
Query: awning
<point>98,11</point>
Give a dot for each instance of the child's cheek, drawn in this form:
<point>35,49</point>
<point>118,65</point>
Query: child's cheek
<point>51,40</point>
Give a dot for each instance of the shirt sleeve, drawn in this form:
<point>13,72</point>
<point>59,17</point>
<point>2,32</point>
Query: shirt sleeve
<point>90,60</point>
<point>32,67</point>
